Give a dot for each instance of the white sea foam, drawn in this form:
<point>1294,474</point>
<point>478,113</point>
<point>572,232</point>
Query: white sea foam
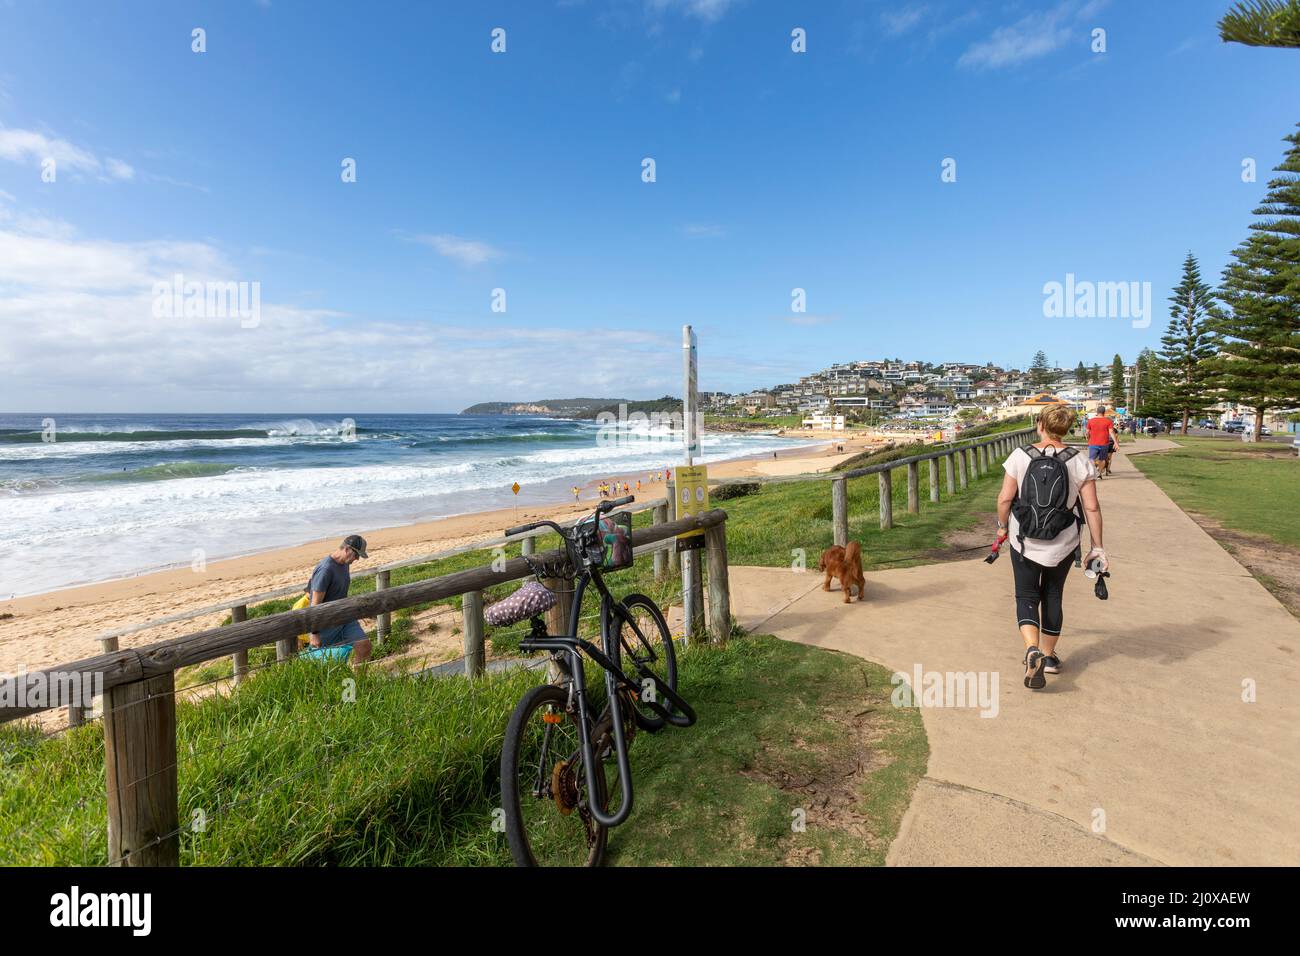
<point>71,532</point>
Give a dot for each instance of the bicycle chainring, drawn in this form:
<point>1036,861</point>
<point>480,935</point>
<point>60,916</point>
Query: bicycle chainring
<point>564,787</point>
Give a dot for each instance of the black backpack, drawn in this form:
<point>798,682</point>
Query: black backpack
<point>1042,506</point>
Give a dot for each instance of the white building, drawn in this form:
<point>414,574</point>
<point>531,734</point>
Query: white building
<point>833,423</point>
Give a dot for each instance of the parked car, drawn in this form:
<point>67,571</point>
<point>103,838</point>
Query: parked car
<point>1234,428</point>
<point>1155,426</point>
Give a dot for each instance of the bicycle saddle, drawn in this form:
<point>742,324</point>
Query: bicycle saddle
<point>529,601</point>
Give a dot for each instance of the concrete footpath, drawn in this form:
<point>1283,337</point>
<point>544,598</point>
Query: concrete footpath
<point>1142,751</point>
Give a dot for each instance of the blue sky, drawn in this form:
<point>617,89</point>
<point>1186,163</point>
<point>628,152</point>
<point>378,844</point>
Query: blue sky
<point>522,171</point>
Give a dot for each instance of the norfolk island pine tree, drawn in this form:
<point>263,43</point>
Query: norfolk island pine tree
<point>1189,343</point>
<point>1259,357</point>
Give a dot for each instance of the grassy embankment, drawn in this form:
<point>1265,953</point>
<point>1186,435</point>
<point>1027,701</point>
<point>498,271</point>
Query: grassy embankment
<point>288,771</point>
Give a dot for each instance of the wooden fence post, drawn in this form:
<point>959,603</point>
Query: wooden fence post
<point>557,618</point>
<point>140,773</point>
<point>106,645</point>
<point>695,561</point>
<point>528,545</point>
<point>471,609</point>
<point>913,489</point>
<point>840,510</point>
<point>383,622</point>
<point>660,516</point>
<point>961,468</point>
<point>977,460</point>
<point>948,469</point>
<point>934,479</point>
<point>239,659</point>
<point>715,542</point>
<point>886,499</point>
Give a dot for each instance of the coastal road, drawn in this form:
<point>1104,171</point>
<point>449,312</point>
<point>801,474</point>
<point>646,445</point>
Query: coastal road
<point>1142,751</point>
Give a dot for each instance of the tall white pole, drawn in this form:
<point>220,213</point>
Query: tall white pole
<point>690,399</point>
<point>689,440</point>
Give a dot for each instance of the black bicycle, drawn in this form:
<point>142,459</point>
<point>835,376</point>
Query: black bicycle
<point>554,790</point>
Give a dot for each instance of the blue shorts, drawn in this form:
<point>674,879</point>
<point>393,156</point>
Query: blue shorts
<point>336,642</point>
<point>1097,452</point>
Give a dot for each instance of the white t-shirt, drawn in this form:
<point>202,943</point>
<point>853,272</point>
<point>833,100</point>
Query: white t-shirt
<point>1050,553</point>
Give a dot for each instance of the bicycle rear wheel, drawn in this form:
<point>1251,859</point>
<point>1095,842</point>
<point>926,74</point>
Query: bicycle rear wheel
<point>544,785</point>
<point>642,640</point>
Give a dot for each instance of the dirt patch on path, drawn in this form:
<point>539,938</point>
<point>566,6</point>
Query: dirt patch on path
<point>1274,565</point>
<point>829,787</point>
<point>967,544</point>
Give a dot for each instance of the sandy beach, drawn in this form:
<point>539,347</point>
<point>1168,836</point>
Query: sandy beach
<point>42,630</point>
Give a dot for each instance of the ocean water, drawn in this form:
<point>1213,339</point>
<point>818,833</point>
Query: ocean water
<point>115,495</point>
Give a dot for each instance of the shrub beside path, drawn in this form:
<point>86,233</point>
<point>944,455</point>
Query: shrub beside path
<point>1142,751</point>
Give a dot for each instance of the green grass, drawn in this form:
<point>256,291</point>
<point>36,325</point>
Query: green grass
<point>1234,482</point>
<point>772,740</point>
<point>289,771</point>
<point>766,528</point>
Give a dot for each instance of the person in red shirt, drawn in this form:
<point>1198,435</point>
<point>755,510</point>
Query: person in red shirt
<point>1101,440</point>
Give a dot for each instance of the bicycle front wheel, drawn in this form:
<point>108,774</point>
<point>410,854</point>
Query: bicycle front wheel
<point>642,640</point>
<point>544,792</point>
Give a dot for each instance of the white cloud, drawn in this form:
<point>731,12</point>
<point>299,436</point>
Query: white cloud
<point>25,145</point>
<point>77,330</point>
<point>898,22</point>
<point>467,252</point>
<point>1032,36</point>
<point>703,229</point>
<point>707,10</point>
<point>118,169</point>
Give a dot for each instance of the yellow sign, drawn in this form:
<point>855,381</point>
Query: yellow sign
<point>692,499</point>
<point>515,487</point>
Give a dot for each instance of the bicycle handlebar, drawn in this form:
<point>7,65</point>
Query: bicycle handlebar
<point>603,508</point>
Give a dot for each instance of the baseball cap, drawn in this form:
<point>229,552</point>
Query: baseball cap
<point>356,543</point>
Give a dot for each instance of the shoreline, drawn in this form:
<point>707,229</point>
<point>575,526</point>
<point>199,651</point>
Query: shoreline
<point>57,626</point>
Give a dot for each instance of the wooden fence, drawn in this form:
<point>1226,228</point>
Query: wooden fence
<point>960,465</point>
<point>139,687</point>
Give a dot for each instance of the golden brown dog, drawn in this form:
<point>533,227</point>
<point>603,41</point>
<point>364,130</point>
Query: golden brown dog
<point>845,564</point>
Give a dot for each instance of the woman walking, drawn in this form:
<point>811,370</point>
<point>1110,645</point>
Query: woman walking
<point>1048,493</point>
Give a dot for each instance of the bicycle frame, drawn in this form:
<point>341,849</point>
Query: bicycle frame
<point>569,649</point>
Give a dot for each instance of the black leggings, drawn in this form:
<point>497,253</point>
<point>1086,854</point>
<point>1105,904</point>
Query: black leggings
<point>1039,587</point>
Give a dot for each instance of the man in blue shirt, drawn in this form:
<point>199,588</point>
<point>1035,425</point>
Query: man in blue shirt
<point>330,582</point>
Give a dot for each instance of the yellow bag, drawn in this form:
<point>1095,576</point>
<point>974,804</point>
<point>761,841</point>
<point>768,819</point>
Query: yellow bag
<point>304,601</point>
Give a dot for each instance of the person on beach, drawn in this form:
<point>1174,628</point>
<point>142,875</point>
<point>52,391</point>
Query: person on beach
<point>1101,439</point>
<point>329,582</point>
<point>1041,564</point>
<point>575,492</point>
